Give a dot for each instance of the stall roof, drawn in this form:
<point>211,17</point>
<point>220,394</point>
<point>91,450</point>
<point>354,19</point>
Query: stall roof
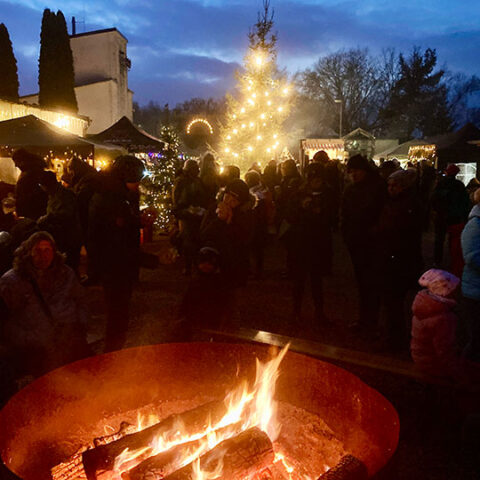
<point>31,132</point>
<point>399,151</point>
<point>127,135</point>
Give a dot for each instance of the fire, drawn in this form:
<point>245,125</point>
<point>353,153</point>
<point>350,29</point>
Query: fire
<point>247,407</point>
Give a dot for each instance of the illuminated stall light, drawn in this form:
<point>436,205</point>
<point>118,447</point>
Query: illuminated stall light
<point>199,120</point>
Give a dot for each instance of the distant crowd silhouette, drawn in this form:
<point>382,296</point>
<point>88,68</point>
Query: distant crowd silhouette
<point>222,228</point>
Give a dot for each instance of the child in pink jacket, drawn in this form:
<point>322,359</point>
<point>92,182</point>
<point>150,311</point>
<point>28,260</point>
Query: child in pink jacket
<point>434,324</point>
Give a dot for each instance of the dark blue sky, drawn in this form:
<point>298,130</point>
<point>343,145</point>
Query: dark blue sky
<point>185,48</point>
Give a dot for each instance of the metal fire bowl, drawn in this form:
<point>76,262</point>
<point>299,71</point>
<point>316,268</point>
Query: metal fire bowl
<point>72,398</point>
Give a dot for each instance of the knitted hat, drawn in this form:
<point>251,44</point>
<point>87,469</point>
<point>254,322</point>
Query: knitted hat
<point>452,170</point>
<point>439,282</point>
<point>358,162</point>
<point>129,168</point>
<point>239,189</point>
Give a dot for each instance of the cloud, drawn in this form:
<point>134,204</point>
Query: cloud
<point>197,44</point>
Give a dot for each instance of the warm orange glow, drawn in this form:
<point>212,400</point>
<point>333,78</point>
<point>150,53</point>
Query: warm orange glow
<point>247,407</point>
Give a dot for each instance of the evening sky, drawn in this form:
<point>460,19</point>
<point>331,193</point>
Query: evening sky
<point>190,48</point>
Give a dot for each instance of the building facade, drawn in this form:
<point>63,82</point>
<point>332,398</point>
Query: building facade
<point>101,78</point>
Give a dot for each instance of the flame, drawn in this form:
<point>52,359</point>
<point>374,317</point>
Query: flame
<point>199,474</point>
<point>247,407</point>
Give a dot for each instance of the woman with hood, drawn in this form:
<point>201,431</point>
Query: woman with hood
<point>46,308</point>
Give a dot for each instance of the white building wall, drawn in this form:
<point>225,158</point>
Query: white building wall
<point>100,102</point>
<point>98,57</point>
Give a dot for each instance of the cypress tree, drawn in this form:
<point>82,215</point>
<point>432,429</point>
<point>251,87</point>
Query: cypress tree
<point>46,63</point>
<point>8,67</point>
<point>66,74</point>
<point>56,74</point>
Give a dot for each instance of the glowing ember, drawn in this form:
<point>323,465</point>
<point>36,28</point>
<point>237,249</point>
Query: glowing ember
<point>192,436</point>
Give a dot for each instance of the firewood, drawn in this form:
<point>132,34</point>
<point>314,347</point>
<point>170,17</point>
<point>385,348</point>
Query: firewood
<point>349,468</point>
<point>241,457</point>
<point>165,463</point>
<point>102,458</point>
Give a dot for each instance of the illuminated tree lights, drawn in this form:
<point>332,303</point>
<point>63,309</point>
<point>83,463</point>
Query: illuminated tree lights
<point>157,185</point>
<point>253,127</point>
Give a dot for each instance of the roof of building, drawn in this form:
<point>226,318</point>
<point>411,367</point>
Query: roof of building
<point>31,132</point>
<point>322,143</point>
<point>95,32</point>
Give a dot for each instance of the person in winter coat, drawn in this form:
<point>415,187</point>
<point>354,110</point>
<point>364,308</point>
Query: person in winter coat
<point>229,229</point>
<point>189,202</point>
<point>451,204</point>
<point>210,178</point>
<point>31,200</point>
<point>311,216</point>
<point>433,346</point>
<point>263,213</point>
<point>84,182</point>
<point>471,280</point>
<point>46,305</point>
<point>205,303</point>
<point>114,242</point>
<point>398,236</point>
<point>62,219</point>
<point>362,203</point>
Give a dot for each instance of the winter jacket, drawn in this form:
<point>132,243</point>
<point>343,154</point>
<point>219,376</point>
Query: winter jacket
<point>62,219</point>
<point>232,240</point>
<point>471,255</point>
<point>114,233</point>
<point>433,333</point>
<point>28,324</point>
<point>361,206</point>
<point>398,235</point>
<point>31,200</point>
<point>450,201</point>
<point>311,215</point>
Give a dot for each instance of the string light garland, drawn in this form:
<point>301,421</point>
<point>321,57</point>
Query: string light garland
<point>157,184</point>
<point>199,120</point>
<point>257,115</point>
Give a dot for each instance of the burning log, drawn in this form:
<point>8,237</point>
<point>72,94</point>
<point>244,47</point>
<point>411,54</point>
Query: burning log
<point>102,458</point>
<point>238,458</point>
<point>165,463</point>
<point>349,468</point>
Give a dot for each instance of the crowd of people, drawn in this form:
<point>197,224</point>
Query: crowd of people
<point>223,226</point>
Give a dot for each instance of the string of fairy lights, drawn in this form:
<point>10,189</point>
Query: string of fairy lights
<point>253,129</point>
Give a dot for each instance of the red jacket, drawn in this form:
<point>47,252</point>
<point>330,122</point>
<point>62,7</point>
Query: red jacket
<point>433,333</point>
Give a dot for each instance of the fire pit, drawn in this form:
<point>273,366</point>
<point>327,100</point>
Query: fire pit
<point>323,415</point>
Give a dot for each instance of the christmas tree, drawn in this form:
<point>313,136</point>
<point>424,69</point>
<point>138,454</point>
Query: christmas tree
<point>253,127</point>
<point>157,185</point>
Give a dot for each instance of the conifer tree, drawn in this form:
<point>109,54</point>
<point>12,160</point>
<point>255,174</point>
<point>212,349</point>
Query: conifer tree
<point>66,77</point>
<point>56,74</point>
<point>253,127</point>
<point>8,67</point>
<point>418,101</point>
<point>158,184</point>
<point>46,63</point>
